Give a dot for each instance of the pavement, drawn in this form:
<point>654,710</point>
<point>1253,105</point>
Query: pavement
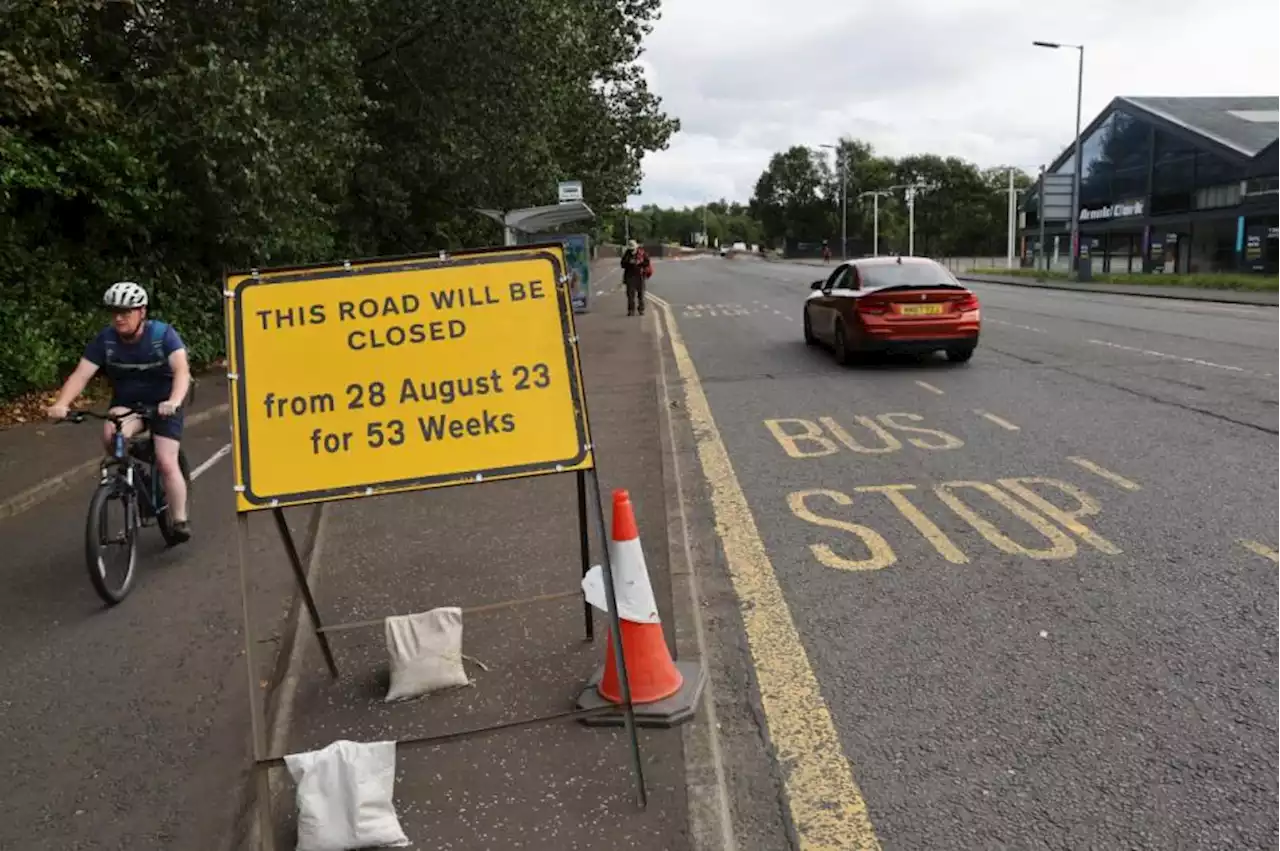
<point>561,784</point>
<point>128,728</point>
<point>1025,602</point>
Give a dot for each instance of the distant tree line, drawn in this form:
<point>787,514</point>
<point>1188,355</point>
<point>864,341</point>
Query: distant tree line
<point>726,224</point>
<point>166,141</point>
<point>960,209</point>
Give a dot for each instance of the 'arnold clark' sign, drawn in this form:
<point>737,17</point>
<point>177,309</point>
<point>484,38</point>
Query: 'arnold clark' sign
<point>1118,210</point>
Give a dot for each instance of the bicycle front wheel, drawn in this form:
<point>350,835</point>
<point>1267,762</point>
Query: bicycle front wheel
<point>111,542</point>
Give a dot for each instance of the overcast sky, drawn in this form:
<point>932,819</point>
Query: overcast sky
<point>952,77</point>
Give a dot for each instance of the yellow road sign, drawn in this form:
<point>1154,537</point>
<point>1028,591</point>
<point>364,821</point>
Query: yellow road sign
<point>395,375</point>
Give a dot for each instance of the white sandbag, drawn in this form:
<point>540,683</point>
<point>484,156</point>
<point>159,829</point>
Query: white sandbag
<point>426,653</point>
<point>344,797</point>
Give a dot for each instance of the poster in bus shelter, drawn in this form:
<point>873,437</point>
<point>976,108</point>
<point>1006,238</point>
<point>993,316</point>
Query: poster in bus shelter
<point>577,257</point>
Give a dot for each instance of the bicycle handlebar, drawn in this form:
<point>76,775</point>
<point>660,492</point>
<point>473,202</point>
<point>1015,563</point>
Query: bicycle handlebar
<point>145,411</point>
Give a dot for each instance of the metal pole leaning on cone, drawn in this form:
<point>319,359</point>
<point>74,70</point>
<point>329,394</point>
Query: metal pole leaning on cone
<point>663,692</point>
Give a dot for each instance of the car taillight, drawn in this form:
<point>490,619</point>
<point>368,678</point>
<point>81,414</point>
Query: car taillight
<point>967,302</point>
<point>875,308</point>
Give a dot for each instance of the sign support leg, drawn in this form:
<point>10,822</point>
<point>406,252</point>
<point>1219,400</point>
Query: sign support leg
<point>584,537</point>
<point>615,630</point>
<point>257,713</point>
<point>300,573</point>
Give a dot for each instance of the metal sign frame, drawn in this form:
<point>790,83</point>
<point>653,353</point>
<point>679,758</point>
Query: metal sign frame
<point>589,501</point>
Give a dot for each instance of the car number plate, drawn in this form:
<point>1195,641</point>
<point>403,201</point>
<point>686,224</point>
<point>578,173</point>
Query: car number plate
<point>919,309</point>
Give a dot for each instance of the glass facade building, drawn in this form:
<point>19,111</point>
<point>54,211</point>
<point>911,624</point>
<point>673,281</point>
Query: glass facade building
<point>1169,185</point>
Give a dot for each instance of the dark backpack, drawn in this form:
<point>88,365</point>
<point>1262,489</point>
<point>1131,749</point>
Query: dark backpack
<point>115,369</point>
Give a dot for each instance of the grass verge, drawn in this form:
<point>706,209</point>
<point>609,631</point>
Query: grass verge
<point>1220,281</point>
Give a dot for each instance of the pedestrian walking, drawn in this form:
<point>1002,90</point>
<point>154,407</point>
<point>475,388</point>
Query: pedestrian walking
<point>636,269</point>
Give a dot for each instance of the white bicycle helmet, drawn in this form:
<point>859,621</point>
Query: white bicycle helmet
<point>125,294</point>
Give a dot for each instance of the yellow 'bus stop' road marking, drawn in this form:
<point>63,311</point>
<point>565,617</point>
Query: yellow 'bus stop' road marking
<point>826,806</point>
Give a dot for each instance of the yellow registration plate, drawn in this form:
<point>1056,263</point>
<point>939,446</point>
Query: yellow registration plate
<point>920,309</point>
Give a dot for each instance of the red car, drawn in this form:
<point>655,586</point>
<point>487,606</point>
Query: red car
<point>892,304</point>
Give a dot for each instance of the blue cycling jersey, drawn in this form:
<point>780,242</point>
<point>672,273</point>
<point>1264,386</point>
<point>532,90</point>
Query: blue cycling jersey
<point>139,372</point>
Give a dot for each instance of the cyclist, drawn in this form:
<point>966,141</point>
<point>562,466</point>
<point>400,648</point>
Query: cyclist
<point>146,363</point>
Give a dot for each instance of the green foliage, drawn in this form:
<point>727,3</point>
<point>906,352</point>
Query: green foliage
<point>1210,281</point>
<point>963,210</point>
<point>166,142</point>
<point>725,221</point>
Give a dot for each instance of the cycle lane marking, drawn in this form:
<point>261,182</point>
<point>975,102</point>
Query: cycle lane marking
<point>210,461</point>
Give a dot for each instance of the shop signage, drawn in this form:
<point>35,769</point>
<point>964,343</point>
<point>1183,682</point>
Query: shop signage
<point>1118,210</point>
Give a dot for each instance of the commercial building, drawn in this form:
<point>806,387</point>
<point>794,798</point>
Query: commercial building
<point>1169,185</point>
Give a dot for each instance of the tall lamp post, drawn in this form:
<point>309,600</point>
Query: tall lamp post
<point>1075,183</point>
<point>844,201</point>
<point>875,217</point>
<point>909,193</point>
<point>1013,217</point>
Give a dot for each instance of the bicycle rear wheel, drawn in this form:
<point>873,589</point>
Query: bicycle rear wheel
<point>105,547</point>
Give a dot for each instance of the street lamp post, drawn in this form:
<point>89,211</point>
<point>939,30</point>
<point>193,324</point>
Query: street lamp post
<point>875,217</point>
<point>1013,214</point>
<point>909,193</point>
<point>1075,183</point>
<point>1040,215</point>
<point>844,201</point>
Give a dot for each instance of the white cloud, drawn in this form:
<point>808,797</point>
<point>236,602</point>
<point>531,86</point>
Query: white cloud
<point>952,77</point>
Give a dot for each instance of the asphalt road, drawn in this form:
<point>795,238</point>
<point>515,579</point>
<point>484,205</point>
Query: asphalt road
<point>126,728</point>
<point>1037,591</point>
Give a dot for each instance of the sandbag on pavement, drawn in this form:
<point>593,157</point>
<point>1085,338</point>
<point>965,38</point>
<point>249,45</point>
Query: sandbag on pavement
<point>345,797</point>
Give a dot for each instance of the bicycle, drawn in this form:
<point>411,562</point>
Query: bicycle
<point>128,474</point>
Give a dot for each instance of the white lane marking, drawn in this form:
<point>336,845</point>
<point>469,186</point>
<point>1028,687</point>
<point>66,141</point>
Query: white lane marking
<point>927,386</point>
<point>1156,354</point>
<point>1000,421</point>
<point>1016,325</point>
<point>213,459</point>
<point>1099,470</point>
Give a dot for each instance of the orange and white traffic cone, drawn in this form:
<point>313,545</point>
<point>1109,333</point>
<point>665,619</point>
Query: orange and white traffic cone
<point>653,675</point>
<point>663,693</point>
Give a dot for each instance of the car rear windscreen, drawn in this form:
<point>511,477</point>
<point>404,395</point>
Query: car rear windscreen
<point>905,274</point>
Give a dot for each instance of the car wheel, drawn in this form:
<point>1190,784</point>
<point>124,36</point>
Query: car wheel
<point>960,354</point>
<point>843,356</point>
<point>808,331</point>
